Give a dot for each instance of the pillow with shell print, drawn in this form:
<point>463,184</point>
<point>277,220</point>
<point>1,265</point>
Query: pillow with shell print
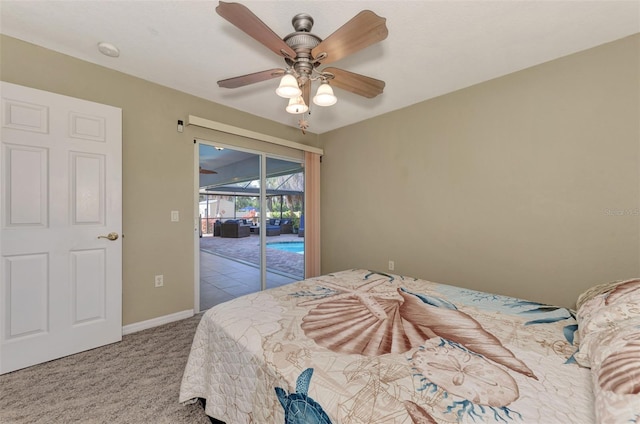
<point>612,309</point>
<point>609,329</point>
<point>615,372</point>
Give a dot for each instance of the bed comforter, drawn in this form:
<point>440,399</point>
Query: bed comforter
<point>364,347</point>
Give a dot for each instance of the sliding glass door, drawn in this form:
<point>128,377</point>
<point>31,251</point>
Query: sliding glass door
<point>230,251</point>
<point>250,236</point>
<point>285,205</point>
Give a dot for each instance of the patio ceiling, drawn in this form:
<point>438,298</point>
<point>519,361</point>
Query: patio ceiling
<point>234,167</point>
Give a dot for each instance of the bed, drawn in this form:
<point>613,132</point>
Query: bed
<point>366,347</point>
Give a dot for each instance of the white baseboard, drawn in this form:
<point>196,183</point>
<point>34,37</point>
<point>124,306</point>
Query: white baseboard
<point>154,322</point>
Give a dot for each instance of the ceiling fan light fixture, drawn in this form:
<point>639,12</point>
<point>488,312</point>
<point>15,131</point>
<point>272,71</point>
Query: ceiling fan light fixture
<point>297,106</point>
<point>324,96</point>
<point>288,87</point>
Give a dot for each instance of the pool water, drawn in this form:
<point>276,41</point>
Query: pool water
<point>292,246</point>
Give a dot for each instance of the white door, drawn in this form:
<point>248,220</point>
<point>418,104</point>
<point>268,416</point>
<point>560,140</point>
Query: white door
<point>61,181</point>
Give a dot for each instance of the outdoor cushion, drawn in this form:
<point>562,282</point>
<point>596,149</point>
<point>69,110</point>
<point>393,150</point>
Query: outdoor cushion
<point>273,230</point>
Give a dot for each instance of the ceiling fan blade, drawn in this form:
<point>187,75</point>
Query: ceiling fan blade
<point>363,30</point>
<point>243,80</point>
<point>207,171</point>
<point>355,83</point>
<point>246,21</point>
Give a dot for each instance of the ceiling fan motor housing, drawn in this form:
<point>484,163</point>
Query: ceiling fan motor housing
<point>302,42</point>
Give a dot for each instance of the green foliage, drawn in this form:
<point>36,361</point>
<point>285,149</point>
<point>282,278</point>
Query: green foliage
<point>247,202</point>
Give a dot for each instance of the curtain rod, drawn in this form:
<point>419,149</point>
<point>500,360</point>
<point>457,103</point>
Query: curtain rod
<point>229,129</point>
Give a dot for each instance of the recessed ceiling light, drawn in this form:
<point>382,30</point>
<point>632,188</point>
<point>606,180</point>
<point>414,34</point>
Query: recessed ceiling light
<point>108,49</point>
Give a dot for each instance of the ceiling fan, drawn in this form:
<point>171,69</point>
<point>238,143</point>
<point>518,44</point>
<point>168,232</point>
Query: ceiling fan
<point>305,52</point>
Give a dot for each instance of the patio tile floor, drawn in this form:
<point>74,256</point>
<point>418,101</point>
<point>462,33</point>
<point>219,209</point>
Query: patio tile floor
<point>247,250</point>
<point>224,277</point>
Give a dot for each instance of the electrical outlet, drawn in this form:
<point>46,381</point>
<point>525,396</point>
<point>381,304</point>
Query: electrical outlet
<point>159,280</point>
<point>392,265</point>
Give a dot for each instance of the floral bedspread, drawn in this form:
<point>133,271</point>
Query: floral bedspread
<point>364,347</point>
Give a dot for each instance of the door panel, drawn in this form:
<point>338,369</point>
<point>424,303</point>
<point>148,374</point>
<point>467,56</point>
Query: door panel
<point>27,288</point>
<point>224,172</point>
<point>285,194</point>
<point>25,185</point>
<point>61,285</point>
<point>87,197</point>
<point>88,270</point>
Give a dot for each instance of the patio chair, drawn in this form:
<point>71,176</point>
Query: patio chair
<point>234,229</point>
<point>285,225</point>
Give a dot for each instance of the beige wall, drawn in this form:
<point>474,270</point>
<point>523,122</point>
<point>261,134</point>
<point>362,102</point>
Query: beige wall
<point>503,186</point>
<point>513,186</point>
<point>158,166</point>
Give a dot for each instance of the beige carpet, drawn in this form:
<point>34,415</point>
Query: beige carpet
<point>135,381</point>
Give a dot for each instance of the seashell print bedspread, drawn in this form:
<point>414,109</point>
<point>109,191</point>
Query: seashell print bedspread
<point>364,347</point>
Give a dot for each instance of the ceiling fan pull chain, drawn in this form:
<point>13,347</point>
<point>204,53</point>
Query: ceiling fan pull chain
<point>303,123</point>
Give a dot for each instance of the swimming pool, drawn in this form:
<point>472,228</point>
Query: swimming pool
<point>291,246</point>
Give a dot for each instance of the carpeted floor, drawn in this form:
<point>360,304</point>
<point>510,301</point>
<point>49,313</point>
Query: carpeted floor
<point>135,381</point>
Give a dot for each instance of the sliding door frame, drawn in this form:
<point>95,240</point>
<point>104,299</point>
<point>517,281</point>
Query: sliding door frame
<point>263,207</point>
<point>223,129</point>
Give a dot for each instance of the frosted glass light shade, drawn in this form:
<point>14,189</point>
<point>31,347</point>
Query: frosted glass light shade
<point>324,96</point>
<point>297,106</point>
<point>288,87</point>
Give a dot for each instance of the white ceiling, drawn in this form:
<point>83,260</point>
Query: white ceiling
<point>433,47</point>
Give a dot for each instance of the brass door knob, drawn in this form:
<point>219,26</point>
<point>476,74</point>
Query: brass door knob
<point>110,236</point>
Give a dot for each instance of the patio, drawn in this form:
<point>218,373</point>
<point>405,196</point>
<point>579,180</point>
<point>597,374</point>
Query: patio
<point>247,250</point>
<point>229,267</point>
